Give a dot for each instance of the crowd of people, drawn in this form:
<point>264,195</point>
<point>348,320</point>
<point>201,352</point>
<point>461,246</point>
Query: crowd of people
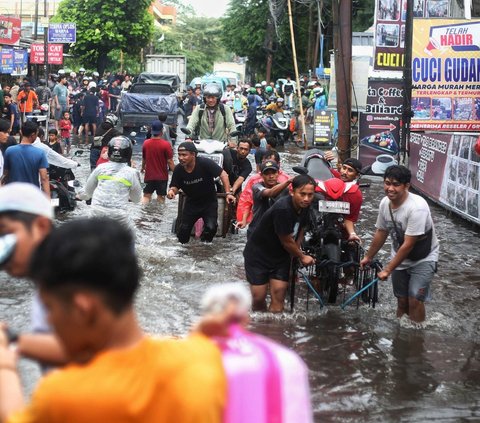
<point>87,273</point>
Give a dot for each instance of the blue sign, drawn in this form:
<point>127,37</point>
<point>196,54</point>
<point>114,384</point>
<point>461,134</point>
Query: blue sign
<point>6,60</point>
<point>64,33</point>
<point>20,62</point>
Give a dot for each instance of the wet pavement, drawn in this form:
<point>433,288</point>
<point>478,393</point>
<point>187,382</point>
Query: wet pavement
<point>365,365</point>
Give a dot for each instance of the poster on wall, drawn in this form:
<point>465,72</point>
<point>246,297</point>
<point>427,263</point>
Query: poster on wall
<point>451,160</point>
<point>390,19</point>
<point>446,75</point>
<point>379,130</point>
<point>6,60</point>
<point>10,30</point>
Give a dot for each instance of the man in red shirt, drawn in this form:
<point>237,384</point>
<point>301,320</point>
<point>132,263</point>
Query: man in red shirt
<point>157,158</point>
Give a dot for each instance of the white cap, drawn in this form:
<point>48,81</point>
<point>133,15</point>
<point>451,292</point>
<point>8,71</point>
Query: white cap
<point>27,198</point>
<point>217,297</point>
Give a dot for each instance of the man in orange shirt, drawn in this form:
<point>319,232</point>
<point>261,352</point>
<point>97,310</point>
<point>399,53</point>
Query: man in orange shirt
<point>27,100</point>
<point>87,275</point>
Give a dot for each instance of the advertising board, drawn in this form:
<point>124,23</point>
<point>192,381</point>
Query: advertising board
<point>446,75</point>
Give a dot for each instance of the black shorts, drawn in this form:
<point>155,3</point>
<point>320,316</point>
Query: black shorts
<point>89,120</point>
<point>260,273</point>
<point>159,186</point>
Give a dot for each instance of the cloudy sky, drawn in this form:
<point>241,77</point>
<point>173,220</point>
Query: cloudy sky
<point>210,8</point>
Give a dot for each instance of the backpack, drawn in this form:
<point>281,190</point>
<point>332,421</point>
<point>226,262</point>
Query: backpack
<point>200,115</point>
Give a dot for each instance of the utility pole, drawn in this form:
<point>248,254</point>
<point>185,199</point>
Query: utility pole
<point>297,77</point>
<point>269,49</point>
<point>407,83</point>
<point>342,40</point>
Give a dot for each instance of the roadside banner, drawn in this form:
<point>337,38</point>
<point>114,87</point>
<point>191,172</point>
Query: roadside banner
<point>390,19</point>
<point>6,59</point>
<point>20,62</point>
<point>55,54</point>
<point>379,126</point>
<point>10,29</point>
<point>65,33</point>
<point>446,75</point>
<point>322,129</point>
<point>446,168</point>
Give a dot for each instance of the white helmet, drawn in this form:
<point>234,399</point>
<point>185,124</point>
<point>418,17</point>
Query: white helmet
<point>61,72</point>
<point>73,74</point>
<point>264,83</point>
<point>81,70</point>
<point>111,119</point>
<point>96,74</point>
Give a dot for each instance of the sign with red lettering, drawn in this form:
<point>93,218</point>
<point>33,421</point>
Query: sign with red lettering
<point>446,75</point>
<point>10,29</point>
<point>55,54</point>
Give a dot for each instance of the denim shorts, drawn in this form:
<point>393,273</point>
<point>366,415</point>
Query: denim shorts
<point>414,281</point>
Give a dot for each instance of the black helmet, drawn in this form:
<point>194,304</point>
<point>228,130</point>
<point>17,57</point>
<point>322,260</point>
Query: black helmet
<point>212,89</point>
<point>42,82</point>
<point>120,149</point>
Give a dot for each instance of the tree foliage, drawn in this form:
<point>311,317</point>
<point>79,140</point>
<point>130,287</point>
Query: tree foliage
<point>199,39</point>
<point>246,32</point>
<point>104,26</point>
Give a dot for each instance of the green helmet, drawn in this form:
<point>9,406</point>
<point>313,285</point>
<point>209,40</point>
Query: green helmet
<point>252,90</point>
<point>269,89</point>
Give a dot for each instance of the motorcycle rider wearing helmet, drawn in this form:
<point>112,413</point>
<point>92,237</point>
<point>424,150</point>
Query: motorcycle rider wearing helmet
<point>105,132</point>
<point>212,120</point>
<point>276,107</point>
<point>113,184</point>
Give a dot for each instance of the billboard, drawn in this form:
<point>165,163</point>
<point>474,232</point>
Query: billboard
<point>55,54</point>
<point>446,169</point>
<point>379,129</point>
<point>10,29</point>
<point>446,75</point>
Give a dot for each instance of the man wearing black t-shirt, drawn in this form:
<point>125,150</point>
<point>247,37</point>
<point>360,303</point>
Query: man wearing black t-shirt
<point>274,241</point>
<point>237,165</point>
<point>195,176</point>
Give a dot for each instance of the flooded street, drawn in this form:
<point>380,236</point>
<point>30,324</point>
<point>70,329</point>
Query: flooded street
<point>365,365</point>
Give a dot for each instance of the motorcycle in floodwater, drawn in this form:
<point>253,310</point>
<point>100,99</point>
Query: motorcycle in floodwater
<point>277,125</point>
<point>336,259</point>
<point>62,187</point>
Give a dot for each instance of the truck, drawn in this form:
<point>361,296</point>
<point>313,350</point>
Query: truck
<point>235,72</point>
<point>168,64</point>
<point>150,95</point>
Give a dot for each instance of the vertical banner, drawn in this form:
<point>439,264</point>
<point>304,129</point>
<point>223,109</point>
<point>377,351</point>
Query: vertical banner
<point>390,20</point>
<point>10,29</point>
<point>446,75</point>
<point>322,129</point>
<point>20,62</point>
<point>6,60</point>
<point>379,129</point>
<point>447,169</point>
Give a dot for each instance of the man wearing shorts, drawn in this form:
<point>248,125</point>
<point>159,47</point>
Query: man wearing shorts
<point>273,242</point>
<point>157,159</point>
<point>60,99</point>
<point>406,217</point>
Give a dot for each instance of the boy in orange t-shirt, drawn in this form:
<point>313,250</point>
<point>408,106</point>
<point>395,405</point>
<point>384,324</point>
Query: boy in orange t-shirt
<point>87,275</point>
